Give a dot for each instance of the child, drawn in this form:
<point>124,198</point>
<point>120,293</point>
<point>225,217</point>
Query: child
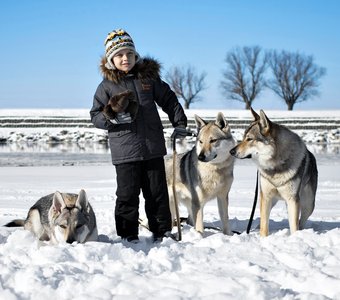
<point>125,104</point>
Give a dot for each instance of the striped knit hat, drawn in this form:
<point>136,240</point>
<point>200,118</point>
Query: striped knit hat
<point>117,40</point>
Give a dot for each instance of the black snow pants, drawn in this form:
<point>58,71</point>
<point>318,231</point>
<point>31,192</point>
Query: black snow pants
<point>148,176</point>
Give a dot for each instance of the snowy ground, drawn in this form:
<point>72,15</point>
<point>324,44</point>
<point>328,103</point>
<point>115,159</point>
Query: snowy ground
<point>302,266</point>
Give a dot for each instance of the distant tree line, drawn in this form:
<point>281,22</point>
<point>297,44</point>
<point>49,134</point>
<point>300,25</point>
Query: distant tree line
<point>293,76</point>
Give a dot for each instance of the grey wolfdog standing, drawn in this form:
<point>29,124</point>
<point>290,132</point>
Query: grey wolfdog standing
<point>60,218</point>
<point>287,170</point>
<point>204,173</point>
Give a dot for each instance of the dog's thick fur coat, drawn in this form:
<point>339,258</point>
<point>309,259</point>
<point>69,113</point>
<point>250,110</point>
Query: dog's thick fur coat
<point>204,173</point>
<point>287,170</point>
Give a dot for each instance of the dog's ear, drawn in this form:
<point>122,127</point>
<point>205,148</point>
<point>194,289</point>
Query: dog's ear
<point>199,122</point>
<point>265,123</point>
<point>222,123</point>
<point>82,202</point>
<point>58,202</point>
<point>255,115</point>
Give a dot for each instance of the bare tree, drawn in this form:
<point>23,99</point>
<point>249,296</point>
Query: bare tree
<point>244,76</point>
<point>186,84</point>
<point>295,76</point>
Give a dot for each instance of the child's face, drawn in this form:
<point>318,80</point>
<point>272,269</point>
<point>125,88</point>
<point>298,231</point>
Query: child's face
<point>124,60</point>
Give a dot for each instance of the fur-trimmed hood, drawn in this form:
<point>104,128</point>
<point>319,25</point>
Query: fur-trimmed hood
<point>145,69</point>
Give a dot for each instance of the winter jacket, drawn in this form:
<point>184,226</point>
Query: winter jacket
<point>142,139</point>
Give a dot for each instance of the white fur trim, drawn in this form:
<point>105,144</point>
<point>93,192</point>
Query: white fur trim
<point>109,65</point>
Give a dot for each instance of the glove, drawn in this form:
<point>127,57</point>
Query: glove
<point>180,132</point>
<point>121,118</point>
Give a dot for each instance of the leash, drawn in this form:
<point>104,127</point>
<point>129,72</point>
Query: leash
<point>254,204</point>
<point>178,220</point>
<point>182,133</point>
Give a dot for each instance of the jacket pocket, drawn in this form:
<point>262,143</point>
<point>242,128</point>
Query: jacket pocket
<point>121,129</point>
<point>123,143</point>
<point>120,133</point>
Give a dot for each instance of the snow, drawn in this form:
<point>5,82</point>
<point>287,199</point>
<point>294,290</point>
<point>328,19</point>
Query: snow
<point>304,265</point>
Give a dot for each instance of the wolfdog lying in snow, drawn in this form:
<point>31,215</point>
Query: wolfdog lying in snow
<point>61,217</point>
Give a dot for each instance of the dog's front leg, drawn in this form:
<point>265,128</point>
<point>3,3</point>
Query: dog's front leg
<point>265,207</point>
<point>293,208</point>
<point>223,212</point>
<point>172,208</point>
<point>291,195</point>
<point>197,216</point>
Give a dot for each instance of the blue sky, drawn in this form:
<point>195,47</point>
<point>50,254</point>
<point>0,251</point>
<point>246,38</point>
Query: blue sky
<point>50,50</point>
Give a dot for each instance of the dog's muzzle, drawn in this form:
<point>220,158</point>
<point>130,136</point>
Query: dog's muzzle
<point>203,158</point>
<point>233,152</point>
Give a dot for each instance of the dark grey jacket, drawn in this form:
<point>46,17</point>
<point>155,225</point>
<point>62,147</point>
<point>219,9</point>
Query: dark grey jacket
<point>142,139</point>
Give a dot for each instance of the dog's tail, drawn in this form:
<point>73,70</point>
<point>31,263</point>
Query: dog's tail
<point>15,223</point>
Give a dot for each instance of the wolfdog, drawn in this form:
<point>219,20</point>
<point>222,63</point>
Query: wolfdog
<point>287,170</point>
<point>60,218</point>
<point>204,173</point>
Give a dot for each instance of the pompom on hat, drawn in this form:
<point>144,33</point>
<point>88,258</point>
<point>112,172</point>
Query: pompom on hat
<point>117,40</point>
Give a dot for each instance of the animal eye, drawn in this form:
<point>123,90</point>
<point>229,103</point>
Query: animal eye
<point>62,226</point>
<point>248,139</point>
<point>213,141</point>
<point>200,142</point>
